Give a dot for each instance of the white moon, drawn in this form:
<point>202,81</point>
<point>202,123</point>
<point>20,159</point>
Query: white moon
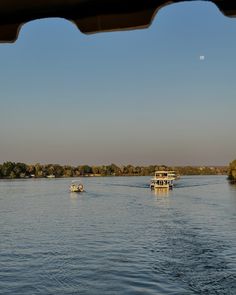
<point>202,57</point>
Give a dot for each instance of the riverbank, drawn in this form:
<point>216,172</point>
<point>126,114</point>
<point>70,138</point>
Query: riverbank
<point>12,170</point>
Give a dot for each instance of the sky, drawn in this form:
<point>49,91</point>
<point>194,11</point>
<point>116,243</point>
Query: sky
<point>162,95</point>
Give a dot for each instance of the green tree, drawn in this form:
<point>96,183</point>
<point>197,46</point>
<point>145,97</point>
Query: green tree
<point>7,168</point>
<point>232,171</point>
<point>19,170</point>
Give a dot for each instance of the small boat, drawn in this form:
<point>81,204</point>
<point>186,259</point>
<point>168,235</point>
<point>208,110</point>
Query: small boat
<point>51,176</point>
<point>76,187</point>
<point>173,175</point>
<point>162,180</point>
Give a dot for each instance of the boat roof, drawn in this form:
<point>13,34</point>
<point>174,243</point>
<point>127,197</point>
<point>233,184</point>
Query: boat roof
<point>90,16</point>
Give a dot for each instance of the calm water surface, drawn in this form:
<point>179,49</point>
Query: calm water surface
<point>118,237</point>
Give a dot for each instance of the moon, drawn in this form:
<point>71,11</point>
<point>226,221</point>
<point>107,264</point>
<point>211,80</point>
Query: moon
<point>202,57</point>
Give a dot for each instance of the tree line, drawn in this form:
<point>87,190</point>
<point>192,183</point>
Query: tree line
<point>21,170</point>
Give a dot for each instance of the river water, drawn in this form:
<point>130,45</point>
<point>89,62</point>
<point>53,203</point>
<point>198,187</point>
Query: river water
<point>118,237</point>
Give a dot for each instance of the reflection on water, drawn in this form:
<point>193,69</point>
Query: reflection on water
<point>74,195</point>
<point>118,237</point>
<point>232,187</point>
<point>161,192</point>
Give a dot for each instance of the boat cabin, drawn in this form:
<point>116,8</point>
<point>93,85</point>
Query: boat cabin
<point>162,180</point>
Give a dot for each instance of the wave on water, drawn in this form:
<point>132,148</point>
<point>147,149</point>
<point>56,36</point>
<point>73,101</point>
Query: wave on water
<point>133,185</point>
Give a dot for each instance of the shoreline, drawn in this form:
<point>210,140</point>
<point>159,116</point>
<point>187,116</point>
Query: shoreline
<point>101,176</point>
<point>12,170</point>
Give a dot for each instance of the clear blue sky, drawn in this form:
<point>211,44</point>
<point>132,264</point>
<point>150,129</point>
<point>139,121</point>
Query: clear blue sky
<point>141,97</point>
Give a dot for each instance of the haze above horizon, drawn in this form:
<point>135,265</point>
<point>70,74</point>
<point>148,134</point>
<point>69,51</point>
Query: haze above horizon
<point>161,95</point>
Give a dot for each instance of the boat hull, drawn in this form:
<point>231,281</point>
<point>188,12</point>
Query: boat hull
<point>76,188</point>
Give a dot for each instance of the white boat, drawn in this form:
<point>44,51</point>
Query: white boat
<point>51,176</point>
<point>172,175</point>
<point>76,187</point>
<point>162,180</point>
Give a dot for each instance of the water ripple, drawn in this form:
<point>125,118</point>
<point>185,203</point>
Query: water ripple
<point>117,238</point>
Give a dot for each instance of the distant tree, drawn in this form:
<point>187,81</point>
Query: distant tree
<point>113,170</point>
<point>7,168</point>
<point>49,169</point>
<point>103,170</point>
<point>57,170</point>
<point>19,170</point>
<point>67,171</point>
<point>232,171</point>
<point>96,170</point>
<point>85,169</point>
<point>12,175</point>
<point>30,170</point>
<point>38,170</point>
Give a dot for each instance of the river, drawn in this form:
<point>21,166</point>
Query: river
<point>118,237</point>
